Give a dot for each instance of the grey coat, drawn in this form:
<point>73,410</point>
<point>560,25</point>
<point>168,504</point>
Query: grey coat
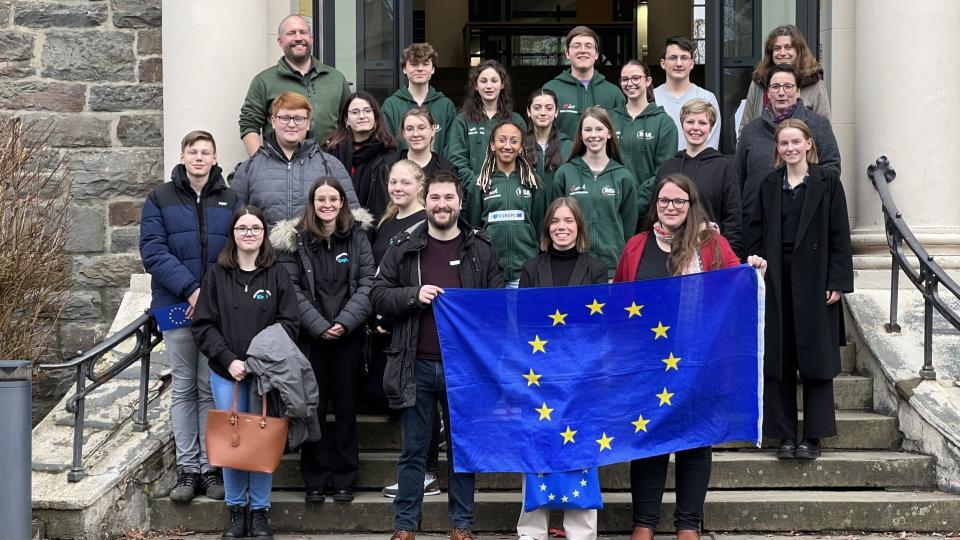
<point>756,149</point>
<point>292,247</point>
<point>279,365</point>
<point>278,186</point>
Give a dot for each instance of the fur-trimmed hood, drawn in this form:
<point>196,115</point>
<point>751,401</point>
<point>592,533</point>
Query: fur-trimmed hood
<point>283,235</point>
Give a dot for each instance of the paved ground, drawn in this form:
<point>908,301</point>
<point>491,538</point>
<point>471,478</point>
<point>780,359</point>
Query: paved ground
<point>716,536</point>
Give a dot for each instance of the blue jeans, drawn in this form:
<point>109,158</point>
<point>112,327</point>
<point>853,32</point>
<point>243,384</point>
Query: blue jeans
<point>416,423</point>
<point>241,485</point>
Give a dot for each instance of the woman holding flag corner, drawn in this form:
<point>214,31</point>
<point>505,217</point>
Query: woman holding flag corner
<point>676,239</point>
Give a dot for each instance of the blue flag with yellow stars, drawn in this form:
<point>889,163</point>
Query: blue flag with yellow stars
<point>559,379</point>
<point>573,490</point>
<point>171,317</point>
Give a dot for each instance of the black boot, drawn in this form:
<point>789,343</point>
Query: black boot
<point>237,526</point>
<point>259,527</point>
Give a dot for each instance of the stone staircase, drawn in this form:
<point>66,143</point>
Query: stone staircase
<point>862,483</point>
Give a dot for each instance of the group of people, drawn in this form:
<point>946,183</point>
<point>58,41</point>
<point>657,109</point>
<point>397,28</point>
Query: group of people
<point>349,219</point>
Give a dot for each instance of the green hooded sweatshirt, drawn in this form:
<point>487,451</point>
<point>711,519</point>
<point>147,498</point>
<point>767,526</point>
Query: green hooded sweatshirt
<point>440,107</point>
<point>545,176</point>
<point>468,142</point>
<point>646,141</point>
<point>511,213</point>
<point>324,87</point>
<point>608,202</point>
<point>573,98</point>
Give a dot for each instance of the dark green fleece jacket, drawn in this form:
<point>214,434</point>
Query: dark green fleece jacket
<point>440,107</point>
<point>324,87</point>
<point>511,213</point>
<point>646,142</point>
<point>546,176</point>
<point>608,201</point>
<point>573,98</point>
<point>468,142</point>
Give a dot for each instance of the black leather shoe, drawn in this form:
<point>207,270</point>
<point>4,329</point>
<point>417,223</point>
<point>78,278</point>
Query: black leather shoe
<point>808,449</point>
<point>237,524</point>
<point>314,496</point>
<point>343,495</point>
<point>260,525</point>
<point>787,450</point>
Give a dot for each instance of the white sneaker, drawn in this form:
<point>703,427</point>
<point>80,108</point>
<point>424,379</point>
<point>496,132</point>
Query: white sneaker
<point>430,487</point>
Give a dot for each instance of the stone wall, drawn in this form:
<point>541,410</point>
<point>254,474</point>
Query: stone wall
<point>92,70</point>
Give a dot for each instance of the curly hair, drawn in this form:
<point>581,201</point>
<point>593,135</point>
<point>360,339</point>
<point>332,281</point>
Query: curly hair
<point>473,104</point>
<point>806,63</point>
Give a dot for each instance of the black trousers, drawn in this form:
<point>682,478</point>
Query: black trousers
<point>648,477</point>
<point>780,395</point>
<point>335,458</point>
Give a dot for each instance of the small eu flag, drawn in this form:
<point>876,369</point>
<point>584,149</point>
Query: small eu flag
<point>171,317</point>
<point>563,379</point>
<point>573,490</point>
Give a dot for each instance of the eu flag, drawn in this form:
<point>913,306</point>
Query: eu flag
<point>560,379</point>
<point>172,317</point>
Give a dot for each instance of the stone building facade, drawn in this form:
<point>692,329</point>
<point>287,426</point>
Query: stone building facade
<point>92,71</point>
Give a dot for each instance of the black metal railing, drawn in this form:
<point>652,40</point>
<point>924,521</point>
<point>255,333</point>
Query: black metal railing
<point>144,329</point>
<point>928,277</point>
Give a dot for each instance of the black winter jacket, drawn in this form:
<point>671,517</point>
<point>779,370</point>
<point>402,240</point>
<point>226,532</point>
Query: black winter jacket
<point>234,307</point>
<point>397,287</point>
<point>719,188</point>
<point>292,250</point>
<point>588,270</point>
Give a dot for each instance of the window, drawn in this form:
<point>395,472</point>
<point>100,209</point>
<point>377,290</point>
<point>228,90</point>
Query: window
<point>699,31</point>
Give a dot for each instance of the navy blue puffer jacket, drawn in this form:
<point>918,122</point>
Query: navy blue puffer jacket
<point>182,233</point>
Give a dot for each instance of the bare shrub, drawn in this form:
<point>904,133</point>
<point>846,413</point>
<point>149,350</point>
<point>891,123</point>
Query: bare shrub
<point>34,269</point>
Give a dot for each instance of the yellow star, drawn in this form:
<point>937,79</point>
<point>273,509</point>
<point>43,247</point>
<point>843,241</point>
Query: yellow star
<point>596,307</point>
<point>660,331</point>
<point>671,362</point>
<point>583,483</point>
<point>665,397</point>
<point>532,378</point>
<point>604,442</point>
<point>558,318</point>
<point>551,496</point>
<point>543,487</point>
<point>633,309</point>
<point>568,435</point>
<point>538,345</point>
<point>544,412</point>
<point>563,499</point>
<point>640,424</point>
<point>576,493</point>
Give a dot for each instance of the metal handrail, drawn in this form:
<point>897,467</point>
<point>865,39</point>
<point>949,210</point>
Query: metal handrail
<point>144,329</point>
<point>928,279</point>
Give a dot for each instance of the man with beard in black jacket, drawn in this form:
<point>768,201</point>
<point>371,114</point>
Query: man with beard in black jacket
<point>444,252</point>
<point>714,175</point>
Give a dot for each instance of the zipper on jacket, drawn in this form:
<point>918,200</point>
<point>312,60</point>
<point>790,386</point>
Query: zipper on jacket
<point>203,236</point>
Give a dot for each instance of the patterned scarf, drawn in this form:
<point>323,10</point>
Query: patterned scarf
<point>695,266</point>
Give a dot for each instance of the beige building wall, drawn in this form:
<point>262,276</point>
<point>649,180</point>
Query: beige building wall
<point>445,22</point>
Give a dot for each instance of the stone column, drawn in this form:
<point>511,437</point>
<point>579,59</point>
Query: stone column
<point>907,71</point>
<point>211,50</point>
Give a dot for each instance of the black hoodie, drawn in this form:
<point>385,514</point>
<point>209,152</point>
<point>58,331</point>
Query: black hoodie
<point>234,306</point>
<point>718,186</point>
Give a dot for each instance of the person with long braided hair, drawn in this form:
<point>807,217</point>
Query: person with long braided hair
<point>508,200</point>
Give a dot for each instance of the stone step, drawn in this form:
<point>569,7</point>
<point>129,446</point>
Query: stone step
<point>856,430</point>
<point>731,470</point>
<point>850,392</point>
<point>740,511</point>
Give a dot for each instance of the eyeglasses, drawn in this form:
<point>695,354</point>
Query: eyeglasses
<point>674,59</point>
<point>776,87</point>
<point>584,46</point>
<point>635,79</point>
<point>664,202</point>
<point>256,230</point>
<point>366,111</point>
<point>415,129</point>
<point>297,120</point>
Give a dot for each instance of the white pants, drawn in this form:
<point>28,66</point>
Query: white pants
<point>577,524</point>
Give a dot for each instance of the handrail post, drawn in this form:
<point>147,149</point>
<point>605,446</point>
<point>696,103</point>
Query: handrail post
<point>140,419</point>
<point>893,326</point>
<point>927,372</point>
<point>76,470</point>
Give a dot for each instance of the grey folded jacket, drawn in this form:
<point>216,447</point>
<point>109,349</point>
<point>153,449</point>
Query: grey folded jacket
<point>280,366</point>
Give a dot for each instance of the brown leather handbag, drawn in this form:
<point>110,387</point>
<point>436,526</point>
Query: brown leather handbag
<point>245,441</point>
